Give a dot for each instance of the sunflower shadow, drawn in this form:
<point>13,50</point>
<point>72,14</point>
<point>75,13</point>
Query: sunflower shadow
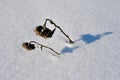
<point>87,38</point>
<point>67,49</point>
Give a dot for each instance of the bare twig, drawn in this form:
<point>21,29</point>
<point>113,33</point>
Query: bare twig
<point>41,46</point>
<point>70,41</point>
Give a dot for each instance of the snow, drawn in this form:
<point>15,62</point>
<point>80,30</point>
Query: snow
<point>92,24</point>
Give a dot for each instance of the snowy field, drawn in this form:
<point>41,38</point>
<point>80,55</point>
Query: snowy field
<point>94,25</point>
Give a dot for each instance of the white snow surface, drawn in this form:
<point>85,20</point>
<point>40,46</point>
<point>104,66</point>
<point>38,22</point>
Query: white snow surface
<point>94,25</point>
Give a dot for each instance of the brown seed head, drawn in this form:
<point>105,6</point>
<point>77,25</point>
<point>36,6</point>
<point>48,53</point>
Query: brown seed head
<point>28,46</point>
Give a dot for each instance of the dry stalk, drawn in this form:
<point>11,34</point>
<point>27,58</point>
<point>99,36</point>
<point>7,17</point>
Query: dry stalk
<point>70,41</point>
<point>41,45</point>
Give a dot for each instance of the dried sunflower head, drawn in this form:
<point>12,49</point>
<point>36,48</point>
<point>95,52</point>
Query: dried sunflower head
<point>38,29</point>
<point>28,46</point>
<point>45,33</point>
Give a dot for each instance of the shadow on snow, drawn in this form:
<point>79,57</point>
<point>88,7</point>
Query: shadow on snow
<point>87,38</point>
<point>69,49</point>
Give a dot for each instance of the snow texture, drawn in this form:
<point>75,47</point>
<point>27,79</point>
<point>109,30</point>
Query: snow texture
<point>94,25</point>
